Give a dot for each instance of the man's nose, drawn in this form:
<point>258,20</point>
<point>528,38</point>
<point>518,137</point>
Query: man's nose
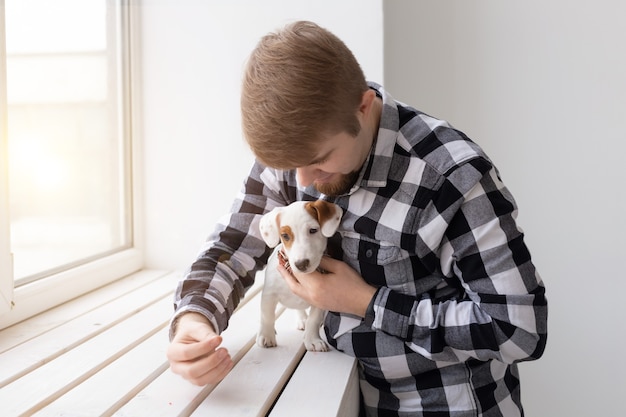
<point>306,175</point>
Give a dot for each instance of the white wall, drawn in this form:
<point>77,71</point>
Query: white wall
<point>192,59</point>
<point>541,85</point>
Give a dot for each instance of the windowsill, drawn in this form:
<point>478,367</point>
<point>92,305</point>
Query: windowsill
<point>104,354</point>
<point>40,244</point>
<point>46,293</point>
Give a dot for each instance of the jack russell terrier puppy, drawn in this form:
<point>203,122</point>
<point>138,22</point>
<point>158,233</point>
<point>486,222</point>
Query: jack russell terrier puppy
<point>302,230</point>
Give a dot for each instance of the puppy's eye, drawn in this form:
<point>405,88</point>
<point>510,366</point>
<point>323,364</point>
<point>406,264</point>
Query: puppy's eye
<point>312,231</point>
<point>285,237</point>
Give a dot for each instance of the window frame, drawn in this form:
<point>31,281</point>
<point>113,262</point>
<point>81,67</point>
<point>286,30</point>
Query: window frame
<point>20,302</point>
<point>6,261</point>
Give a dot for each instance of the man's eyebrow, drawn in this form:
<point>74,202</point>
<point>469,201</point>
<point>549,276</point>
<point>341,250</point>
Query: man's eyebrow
<point>321,158</point>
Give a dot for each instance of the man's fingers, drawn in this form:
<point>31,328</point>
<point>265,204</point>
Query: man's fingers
<point>194,354</point>
<point>183,351</point>
<point>203,347</point>
<point>288,276</point>
<point>210,367</point>
<point>208,364</point>
<point>213,370</point>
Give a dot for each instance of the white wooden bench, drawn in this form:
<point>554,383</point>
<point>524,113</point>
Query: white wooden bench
<point>103,354</point>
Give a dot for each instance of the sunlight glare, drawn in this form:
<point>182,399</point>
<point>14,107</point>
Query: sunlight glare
<point>40,169</point>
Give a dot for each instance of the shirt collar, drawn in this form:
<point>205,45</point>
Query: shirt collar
<point>376,168</point>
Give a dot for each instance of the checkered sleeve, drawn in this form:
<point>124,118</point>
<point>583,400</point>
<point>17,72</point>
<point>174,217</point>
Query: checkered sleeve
<point>501,313</point>
<point>233,253</point>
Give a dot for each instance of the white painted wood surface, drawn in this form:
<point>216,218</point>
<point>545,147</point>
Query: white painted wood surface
<point>330,378</point>
<point>103,354</point>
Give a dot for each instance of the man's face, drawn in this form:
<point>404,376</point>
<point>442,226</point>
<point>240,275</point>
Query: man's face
<point>337,166</point>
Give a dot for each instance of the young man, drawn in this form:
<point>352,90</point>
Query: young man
<point>434,291</point>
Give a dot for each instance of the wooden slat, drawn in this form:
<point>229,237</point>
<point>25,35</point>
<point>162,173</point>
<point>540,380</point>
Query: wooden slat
<point>171,395</point>
<point>166,396</point>
<point>252,386</point>
<point>30,328</point>
<point>42,349</point>
<point>114,385</point>
<point>50,381</point>
<point>104,354</point>
<point>315,393</point>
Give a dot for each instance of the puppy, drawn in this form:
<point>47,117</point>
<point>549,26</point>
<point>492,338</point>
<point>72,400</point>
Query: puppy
<point>302,230</point>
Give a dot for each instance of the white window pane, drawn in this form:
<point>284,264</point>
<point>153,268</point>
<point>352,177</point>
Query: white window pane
<point>67,78</point>
<point>66,152</point>
<point>39,26</point>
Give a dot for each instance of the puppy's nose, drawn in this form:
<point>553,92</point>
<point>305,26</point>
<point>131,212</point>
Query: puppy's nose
<point>302,265</point>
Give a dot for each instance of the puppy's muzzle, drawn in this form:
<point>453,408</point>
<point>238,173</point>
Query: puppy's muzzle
<point>302,265</point>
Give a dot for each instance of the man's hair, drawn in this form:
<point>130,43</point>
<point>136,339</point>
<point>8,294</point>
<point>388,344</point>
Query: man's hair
<point>300,85</point>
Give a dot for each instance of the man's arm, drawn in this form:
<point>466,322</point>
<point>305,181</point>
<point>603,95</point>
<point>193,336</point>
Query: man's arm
<point>232,255</point>
<point>216,282</point>
<point>503,313</point>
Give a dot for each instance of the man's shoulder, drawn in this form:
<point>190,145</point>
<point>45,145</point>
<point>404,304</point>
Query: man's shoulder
<point>435,141</point>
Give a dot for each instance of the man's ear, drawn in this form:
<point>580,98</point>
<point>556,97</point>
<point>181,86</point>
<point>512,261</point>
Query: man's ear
<point>269,227</point>
<point>328,215</point>
<point>367,101</point>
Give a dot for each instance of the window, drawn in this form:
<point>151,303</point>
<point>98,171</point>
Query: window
<point>67,146</point>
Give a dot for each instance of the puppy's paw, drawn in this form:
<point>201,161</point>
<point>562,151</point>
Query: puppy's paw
<point>302,318</point>
<point>266,341</point>
<point>301,324</point>
<point>316,345</point>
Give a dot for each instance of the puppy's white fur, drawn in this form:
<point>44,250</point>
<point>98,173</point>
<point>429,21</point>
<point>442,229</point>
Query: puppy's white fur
<point>301,231</point>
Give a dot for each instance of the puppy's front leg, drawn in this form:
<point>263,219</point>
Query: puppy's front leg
<point>267,333</point>
<point>312,339</point>
<point>302,317</point>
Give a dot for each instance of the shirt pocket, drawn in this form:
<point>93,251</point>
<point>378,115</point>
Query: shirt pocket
<point>379,263</point>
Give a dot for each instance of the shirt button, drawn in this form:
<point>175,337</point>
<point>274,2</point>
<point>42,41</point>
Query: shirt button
<point>369,253</point>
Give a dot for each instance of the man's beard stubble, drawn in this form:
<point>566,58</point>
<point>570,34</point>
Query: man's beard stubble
<point>339,187</point>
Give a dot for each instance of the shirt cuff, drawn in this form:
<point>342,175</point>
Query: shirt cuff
<point>369,313</point>
<point>391,312</point>
<point>182,312</point>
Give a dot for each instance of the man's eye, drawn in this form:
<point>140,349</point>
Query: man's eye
<point>312,231</point>
<point>285,237</point>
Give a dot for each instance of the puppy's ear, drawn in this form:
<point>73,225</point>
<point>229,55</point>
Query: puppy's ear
<point>269,227</point>
<point>327,214</point>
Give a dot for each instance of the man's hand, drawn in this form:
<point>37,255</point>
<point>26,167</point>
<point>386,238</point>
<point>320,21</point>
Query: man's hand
<point>339,289</point>
<point>194,354</point>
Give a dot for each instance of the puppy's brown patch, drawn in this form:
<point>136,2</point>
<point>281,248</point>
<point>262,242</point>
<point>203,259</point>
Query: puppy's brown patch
<point>286,236</point>
<point>320,210</point>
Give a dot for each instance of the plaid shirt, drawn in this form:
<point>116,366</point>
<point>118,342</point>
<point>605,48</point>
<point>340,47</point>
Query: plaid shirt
<point>430,223</point>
